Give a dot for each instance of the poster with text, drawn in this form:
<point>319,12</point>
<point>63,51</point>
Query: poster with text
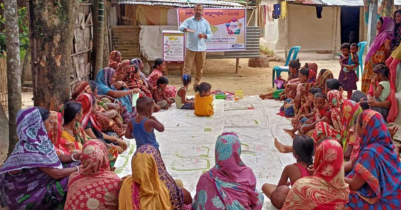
<point>174,46</point>
<point>227,25</point>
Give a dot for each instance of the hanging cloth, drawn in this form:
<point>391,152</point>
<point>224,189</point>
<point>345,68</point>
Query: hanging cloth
<point>319,10</point>
<point>283,9</point>
<point>277,11</point>
<point>269,11</point>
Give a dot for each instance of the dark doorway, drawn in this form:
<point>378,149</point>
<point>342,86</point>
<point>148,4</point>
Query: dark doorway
<point>350,24</point>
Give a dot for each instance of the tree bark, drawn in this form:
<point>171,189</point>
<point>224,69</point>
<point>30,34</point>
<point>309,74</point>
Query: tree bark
<point>13,69</point>
<point>51,32</point>
<point>99,36</point>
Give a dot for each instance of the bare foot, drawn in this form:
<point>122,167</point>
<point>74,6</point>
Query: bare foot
<point>290,132</point>
<point>262,96</point>
<point>282,148</point>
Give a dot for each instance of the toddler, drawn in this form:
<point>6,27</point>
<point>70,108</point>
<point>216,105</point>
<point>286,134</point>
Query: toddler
<point>203,100</point>
<point>181,100</point>
<point>143,125</point>
<point>352,59</point>
<point>158,93</point>
<point>303,152</point>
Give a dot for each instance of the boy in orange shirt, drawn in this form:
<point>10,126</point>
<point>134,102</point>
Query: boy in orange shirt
<point>203,100</point>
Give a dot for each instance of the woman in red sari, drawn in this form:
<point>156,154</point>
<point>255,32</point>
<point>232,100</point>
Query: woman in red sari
<point>94,186</point>
<point>158,69</point>
<point>326,188</point>
<point>114,59</point>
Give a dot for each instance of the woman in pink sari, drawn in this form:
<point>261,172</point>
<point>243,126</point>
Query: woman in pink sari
<point>158,69</point>
<point>230,183</point>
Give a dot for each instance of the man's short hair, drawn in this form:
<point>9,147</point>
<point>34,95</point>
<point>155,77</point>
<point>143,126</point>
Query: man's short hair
<point>198,5</point>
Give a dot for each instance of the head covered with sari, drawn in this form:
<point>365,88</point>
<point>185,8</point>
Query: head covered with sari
<point>321,80</point>
<point>34,148</point>
<point>124,67</point>
<point>104,80</point>
<point>377,162</point>
<point>350,112</point>
<point>136,62</point>
<point>87,102</point>
<point>56,123</point>
<point>230,182</point>
<point>93,179</point>
<point>326,188</point>
<point>150,186</point>
<point>81,87</point>
<point>335,100</point>
<point>114,59</point>
<point>386,32</point>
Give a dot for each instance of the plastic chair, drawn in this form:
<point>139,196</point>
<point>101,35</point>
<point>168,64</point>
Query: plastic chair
<point>278,69</point>
<point>361,49</point>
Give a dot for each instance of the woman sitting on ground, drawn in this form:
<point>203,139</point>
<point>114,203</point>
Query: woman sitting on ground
<point>151,186</point>
<point>104,81</point>
<point>114,59</point>
<point>230,183</point>
<point>134,80</point>
<point>94,175</point>
<point>159,69</point>
<point>91,126</point>
<point>139,64</point>
<point>326,188</point>
<point>33,175</point>
<point>375,176</point>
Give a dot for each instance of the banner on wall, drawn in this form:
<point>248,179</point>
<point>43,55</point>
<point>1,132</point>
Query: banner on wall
<point>228,27</point>
<point>173,46</point>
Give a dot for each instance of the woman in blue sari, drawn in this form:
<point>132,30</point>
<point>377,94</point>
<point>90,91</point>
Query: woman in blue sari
<point>104,81</point>
<point>375,177</point>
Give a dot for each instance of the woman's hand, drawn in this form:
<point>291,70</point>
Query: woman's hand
<point>135,90</point>
<point>311,170</point>
<point>122,144</point>
<point>119,149</point>
<point>316,110</point>
<point>372,102</point>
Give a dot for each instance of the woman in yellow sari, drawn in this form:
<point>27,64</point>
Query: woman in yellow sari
<point>71,137</point>
<point>151,186</point>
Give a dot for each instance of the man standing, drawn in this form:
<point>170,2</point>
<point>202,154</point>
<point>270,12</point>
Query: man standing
<point>199,31</point>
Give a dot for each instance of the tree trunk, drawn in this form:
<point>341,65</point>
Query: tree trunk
<point>13,69</point>
<point>3,134</point>
<point>51,26</point>
<point>99,36</point>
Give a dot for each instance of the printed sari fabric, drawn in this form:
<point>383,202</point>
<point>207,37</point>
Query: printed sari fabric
<point>86,101</point>
<point>22,184</point>
<point>378,165</point>
<point>169,92</point>
<point>321,80</point>
<point>114,59</point>
<point>94,186</point>
<point>150,186</point>
<point>103,84</point>
<point>326,188</point>
<point>350,112</point>
<point>230,184</point>
<point>56,130</point>
<point>137,62</point>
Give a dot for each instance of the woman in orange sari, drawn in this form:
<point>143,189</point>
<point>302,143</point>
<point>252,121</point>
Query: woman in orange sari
<point>326,188</point>
<point>94,186</point>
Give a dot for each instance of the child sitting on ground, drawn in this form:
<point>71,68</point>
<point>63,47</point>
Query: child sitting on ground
<point>306,109</point>
<point>353,60</point>
<point>158,93</point>
<point>203,100</point>
<point>303,152</point>
<point>181,101</point>
<point>142,126</point>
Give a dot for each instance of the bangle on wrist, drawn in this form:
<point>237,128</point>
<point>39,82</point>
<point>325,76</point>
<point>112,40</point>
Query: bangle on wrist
<point>77,168</point>
<point>72,157</point>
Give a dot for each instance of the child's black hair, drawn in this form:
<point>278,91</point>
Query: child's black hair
<point>345,45</point>
<point>92,84</point>
<point>382,69</point>
<point>162,81</point>
<point>304,71</point>
<point>203,87</point>
<point>354,45</point>
<point>186,79</point>
<point>143,103</point>
<point>303,147</point>
<point>333,84</point>
<point>71,109</point>
<point>319,95</point>
<point>315,90</point>
<point>295,64</point>
<point>44,113</point>
<point>158,62</point>
<point>381,20</point>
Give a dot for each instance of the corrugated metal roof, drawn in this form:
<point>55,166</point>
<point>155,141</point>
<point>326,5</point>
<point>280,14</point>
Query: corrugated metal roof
<point>311,2</point>
<point>184,3</point>
<point>350,3</point>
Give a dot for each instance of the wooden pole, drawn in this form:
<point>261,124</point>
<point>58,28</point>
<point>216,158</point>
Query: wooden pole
<point>250,18</point>
<point>372,22</point>
<point>236,65</point>
<point>335,29</point>
<point>286,37</point>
